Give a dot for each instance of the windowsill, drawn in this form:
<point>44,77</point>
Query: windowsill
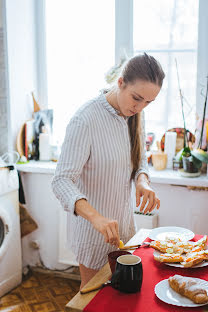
<point>46,167</point>
<point>163,177</point>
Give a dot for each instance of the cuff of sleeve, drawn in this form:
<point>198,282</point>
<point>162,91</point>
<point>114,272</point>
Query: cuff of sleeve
<point>141,171</point>
<point>71,205</point>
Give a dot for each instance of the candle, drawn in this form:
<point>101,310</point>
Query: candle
<point>44,146</point>
<point>170,147</point>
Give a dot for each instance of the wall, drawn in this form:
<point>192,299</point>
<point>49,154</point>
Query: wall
<point>21,49</point>
<point>45,209</point>
<point>5,143</point>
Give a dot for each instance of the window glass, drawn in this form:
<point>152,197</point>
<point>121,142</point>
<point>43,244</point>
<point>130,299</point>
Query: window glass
<point>167,30</point>
<point>80,44</point>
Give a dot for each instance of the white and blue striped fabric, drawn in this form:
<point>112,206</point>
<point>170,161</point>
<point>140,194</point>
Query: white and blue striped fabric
<point>95,164</point>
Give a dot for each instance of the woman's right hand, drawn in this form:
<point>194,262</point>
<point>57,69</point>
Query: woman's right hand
<point>107,227</point>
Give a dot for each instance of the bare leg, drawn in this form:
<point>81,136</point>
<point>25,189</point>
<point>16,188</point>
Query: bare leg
<point>86,274</point>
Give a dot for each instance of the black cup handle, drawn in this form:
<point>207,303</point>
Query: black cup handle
<point>115,279</point>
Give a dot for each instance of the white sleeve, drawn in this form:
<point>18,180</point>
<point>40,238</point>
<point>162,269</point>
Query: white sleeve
<point>143,168</point>
<point>74,154</point>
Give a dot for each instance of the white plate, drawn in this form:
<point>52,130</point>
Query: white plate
<point>163,232</point>
<point>178,265</point>
<point>165,293</point>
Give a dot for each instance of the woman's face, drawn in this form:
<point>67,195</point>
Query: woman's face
<point>132,98</point>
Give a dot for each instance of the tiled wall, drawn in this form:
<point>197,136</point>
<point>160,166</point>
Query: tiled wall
<point>4,112</point>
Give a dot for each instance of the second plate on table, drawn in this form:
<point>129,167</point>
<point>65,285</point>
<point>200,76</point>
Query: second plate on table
<point>161,233</point>
<point>165,293</point>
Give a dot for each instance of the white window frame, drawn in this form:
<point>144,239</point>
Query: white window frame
<point>123,29</point>
<point>202,54</point>
<point>42,84</point>
<point>123,44</point>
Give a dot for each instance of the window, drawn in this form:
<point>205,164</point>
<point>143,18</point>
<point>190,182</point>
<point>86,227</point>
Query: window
<point>80,44</point>
<point>85,38</point>
<point>167,30</point>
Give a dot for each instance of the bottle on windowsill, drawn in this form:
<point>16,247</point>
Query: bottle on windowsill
<point>44,145</point>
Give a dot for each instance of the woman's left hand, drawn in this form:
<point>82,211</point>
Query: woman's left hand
<point>144,190</point>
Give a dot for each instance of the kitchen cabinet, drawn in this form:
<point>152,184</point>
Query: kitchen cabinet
<point>180,206</point>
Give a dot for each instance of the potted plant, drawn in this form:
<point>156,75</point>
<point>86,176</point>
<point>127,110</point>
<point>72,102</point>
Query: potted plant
<point>191,158</point>
<point>190,163</point>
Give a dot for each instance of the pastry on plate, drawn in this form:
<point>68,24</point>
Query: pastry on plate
<point>166,247</point>
<point>169,258</point>
<point>202,242</point>
<point>187,253</point>
<point>189,287</point>
<point>194,258</point>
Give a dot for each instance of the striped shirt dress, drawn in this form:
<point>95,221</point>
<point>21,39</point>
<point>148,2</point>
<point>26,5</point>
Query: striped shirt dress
<point>95,164</point>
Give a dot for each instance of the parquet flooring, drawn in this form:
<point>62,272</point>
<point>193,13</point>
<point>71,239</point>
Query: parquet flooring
<point>40,292</point>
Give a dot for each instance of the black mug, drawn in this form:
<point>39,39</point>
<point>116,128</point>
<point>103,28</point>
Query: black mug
<point>128,274</point>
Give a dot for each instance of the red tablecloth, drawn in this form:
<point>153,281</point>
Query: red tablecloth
<point>111,300</point>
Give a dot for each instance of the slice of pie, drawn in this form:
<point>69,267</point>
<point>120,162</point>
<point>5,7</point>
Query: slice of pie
<point>194,258</point>
<point>166,247</point>
<point>169,258</point>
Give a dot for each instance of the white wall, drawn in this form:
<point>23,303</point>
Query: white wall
<point>5,137</point>
<point>45,209</point>
<point>21,38</point>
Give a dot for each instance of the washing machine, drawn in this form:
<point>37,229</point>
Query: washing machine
<point>10,240</point>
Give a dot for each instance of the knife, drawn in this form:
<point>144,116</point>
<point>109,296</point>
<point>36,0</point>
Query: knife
<point>95,287</point>
<point>144,244</point>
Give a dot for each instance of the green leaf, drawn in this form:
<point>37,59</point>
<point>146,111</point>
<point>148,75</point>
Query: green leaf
<point>200,155</point>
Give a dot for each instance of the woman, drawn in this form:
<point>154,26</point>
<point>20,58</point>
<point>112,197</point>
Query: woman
<point>102,157</point>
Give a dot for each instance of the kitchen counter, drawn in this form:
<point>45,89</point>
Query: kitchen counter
<point>183,203</point>
<point>163,177</point>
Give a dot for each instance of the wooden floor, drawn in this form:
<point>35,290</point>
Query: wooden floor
<point>40,292</point>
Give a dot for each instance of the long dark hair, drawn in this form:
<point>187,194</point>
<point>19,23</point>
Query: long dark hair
<point>141,67</point>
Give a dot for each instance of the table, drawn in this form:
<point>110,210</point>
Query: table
<point>79,302</point>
